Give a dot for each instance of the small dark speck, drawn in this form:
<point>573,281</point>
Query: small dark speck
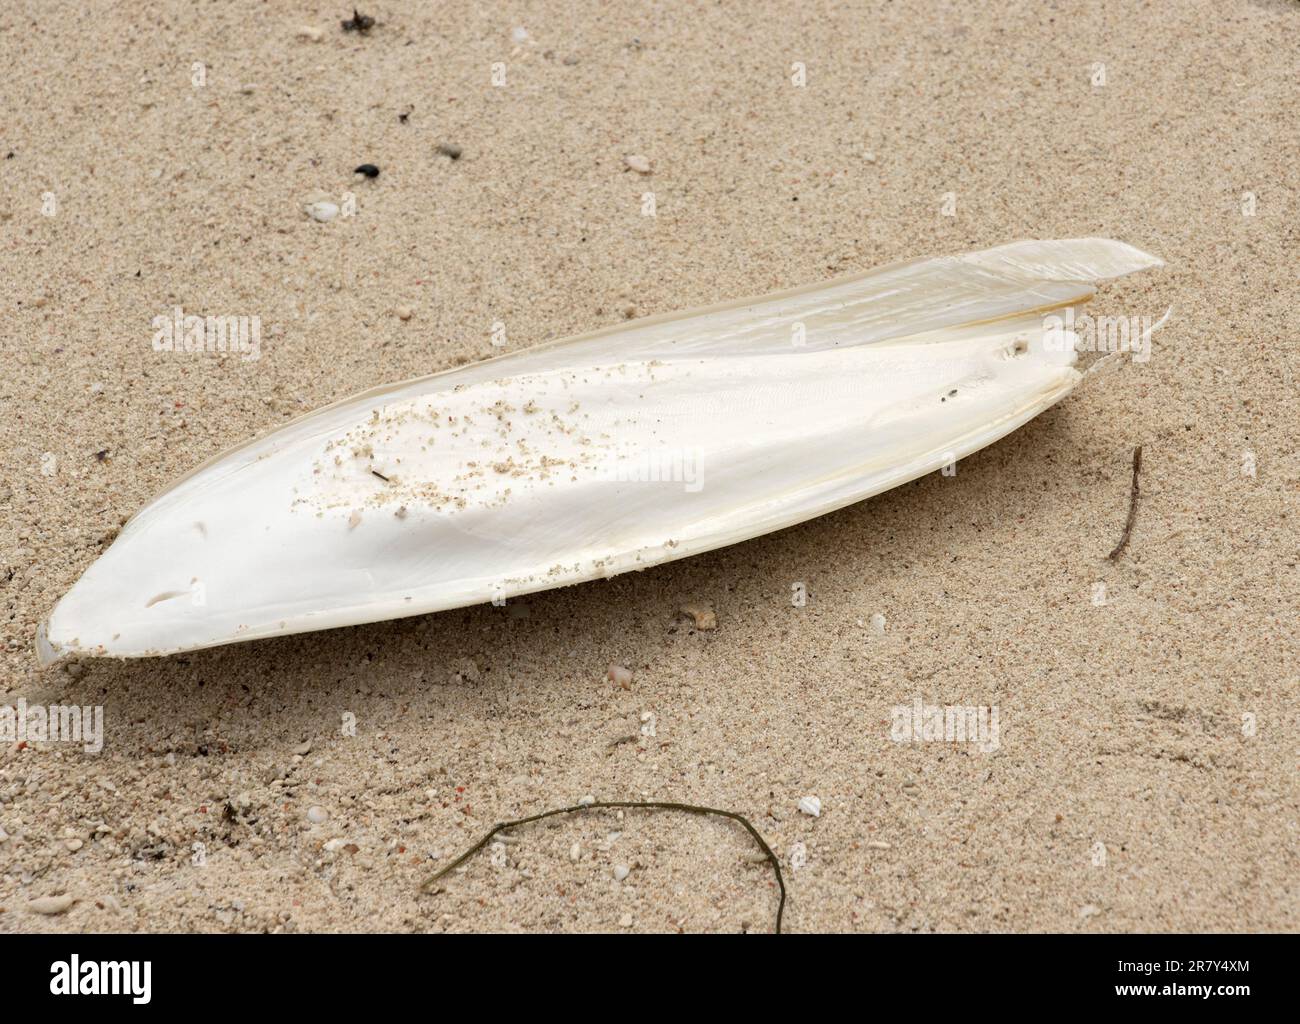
<point>403,117</point>
<point>369,170</point>
<point>362,23</point>
<point>450,150</point>
<point>10,155</point>
<point>101,455</point>
<point>380,475</point>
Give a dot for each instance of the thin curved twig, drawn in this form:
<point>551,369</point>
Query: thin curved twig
<point>1132,507</point>
<point>653,805</point>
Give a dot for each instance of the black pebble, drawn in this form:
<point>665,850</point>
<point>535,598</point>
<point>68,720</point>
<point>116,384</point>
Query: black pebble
<point>358,22</point>
<point>369,170</point>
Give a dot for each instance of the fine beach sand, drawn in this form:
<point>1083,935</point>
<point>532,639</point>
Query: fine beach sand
<point>1129,791</point>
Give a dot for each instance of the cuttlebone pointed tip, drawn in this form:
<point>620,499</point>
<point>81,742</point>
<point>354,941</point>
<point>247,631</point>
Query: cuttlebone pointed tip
<point>1068,259</point>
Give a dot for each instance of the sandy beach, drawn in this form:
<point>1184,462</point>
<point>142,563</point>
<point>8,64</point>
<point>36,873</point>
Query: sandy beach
<point>160,156</point>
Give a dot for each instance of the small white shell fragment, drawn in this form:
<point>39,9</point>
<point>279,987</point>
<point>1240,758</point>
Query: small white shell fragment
<point>649,723</point>
<point>519,35</point>
<point>575,852</point>
<point>878,624</point>
<point>636,162</point>
<point>310,34</point>
<point>322,210</point>
<point>50,905</point>
<point>798,856</point>
<point>317,815</point>
<point>810,805</point>
<point>404,312</point>
<point>878,844</point>
<point>625,921</point>
<point>587,801</point>
<point>621,871</point>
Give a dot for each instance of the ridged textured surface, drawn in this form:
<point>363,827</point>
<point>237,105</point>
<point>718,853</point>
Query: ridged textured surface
<point>592,456</point>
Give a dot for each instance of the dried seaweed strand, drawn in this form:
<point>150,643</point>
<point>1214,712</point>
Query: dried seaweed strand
<point>1132,507</point>
<point>654,805</point>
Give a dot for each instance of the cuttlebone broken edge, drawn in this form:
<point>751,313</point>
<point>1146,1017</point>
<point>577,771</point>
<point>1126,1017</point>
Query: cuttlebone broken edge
<point>1120,259</point>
